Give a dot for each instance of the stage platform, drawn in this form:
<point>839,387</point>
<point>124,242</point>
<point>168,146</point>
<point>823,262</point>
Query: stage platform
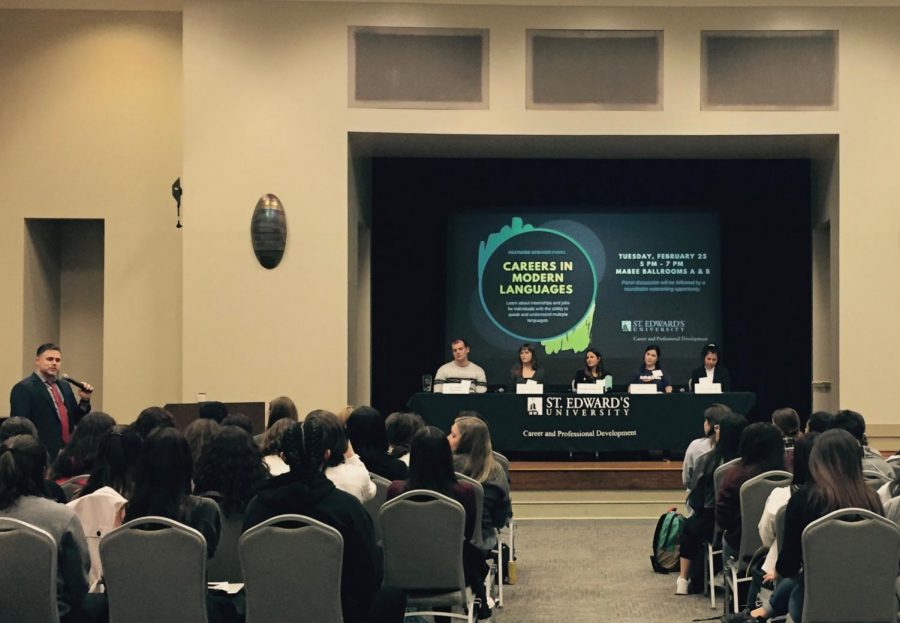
<point>595,489</point>
<point>594,475</point>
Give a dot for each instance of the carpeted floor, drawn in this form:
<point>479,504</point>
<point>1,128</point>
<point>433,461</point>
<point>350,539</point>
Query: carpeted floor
<point>593,571</point>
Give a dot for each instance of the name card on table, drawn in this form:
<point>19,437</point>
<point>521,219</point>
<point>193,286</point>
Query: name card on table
<point>642,388</point>
<point>463,387</point>
<point>590,388</point>
<point>708,388</point>
<point>530,388</point>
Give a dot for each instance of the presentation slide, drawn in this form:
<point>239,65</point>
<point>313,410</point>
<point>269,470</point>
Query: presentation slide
<point>563,283</point>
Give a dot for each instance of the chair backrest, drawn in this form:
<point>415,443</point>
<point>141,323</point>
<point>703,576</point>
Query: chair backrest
<point>225,565</point>
<point>503,461</point>
<point>754,494</point>
<point>850,559</point>
<point>479,508</point>
<point>374,505</point>
<point>98,513</point>
<point>27,573</point>
<point>292,570</point>
<point>875,479</point>
<point>422,535</point>
<point>155,570</point>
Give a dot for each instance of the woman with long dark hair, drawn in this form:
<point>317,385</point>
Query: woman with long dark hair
<point>343,466</point>
<point>23,461</point>
<point>762,450</point>
<point>651,371</point>
<point>835,465</point>
<point>526,367</point>
<point>431,468</point>
<point>114,465</point>
<point>77,457</point>
<point>699,527</point>
<point>593,370</point>
<point>162,487</point>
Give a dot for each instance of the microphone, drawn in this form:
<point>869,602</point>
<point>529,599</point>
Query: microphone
<point>68,379</point>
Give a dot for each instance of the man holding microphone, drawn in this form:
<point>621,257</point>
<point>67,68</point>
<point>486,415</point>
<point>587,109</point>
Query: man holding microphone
<point>47,402</point>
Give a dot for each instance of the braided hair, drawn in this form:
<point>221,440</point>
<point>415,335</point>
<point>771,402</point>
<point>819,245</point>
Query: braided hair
<point>303,448</point>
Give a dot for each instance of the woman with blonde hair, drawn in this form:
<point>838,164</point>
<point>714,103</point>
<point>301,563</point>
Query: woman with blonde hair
<point>470,441</point>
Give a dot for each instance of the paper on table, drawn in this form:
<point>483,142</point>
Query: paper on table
<point>231,588</point>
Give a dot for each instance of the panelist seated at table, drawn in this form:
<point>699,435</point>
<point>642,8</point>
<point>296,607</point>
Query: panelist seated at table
<point>526,367</point>
<point>460,369</point>
<point>711,371</point>
<point>593,371</point>
<point>651,370</point>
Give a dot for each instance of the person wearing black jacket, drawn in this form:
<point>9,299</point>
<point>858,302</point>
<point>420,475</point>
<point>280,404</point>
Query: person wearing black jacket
<point>305,490</point>
<point>711,370</point>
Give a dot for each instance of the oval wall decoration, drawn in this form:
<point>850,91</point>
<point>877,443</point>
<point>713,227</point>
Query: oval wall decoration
<point>268,231</point>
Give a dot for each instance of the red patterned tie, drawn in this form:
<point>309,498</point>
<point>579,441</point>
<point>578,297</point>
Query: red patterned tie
<point>61,408</point>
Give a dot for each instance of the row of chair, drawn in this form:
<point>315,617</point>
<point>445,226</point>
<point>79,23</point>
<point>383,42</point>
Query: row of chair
<point>291,566</point>
<point>850,552</point>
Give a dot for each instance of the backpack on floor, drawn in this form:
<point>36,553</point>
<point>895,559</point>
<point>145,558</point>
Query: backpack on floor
<point>666,551</point>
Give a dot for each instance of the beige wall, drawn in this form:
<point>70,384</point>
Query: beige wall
<point>265,110</point>
<point>91,128</point>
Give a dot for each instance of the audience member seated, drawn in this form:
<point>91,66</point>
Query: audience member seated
<point>114,466</point>
<point>162,487</point>
<point>305,490</point>
<point>77,457</point>
<point>342,466</point>
<point>700,525</point>
<point>400,427</point>
<point>152,418</point>
<point>473,456</point>
<point>199,433</point>
<point>240,420</point>
<point>368,436</point>
<point>213,410</point>
<point>818,422</point>
<point>762,450</point>
<point>23,426</point>
<point>431,468</point>
<point>777,604</point>
<point>23,461</point>
<point>788,422</point>
<point>281,408</point>
<point>231,467</point>
<point>272,447</point>
<point>855,424</point>
<point>704,444</point>
<point>836,482</point>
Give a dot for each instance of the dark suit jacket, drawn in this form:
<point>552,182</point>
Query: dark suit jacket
<point>30,399</point>
<point>720,375</point>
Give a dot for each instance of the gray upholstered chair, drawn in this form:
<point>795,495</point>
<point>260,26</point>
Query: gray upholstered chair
<point>423,534</point>
<point>292,570</point>
<point>28,573</point>
<point>155,570</point>
<point>374,505</point>
<point>850,559</point>
<point>754,494</point>
<point>478,538</point>
<point>714,547</point>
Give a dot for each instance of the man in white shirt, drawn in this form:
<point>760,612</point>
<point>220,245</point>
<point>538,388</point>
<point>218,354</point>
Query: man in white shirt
<point>460,369</point>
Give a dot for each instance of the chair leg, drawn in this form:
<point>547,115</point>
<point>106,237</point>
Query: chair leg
<point>734,586</point>
<point>712,576</point>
